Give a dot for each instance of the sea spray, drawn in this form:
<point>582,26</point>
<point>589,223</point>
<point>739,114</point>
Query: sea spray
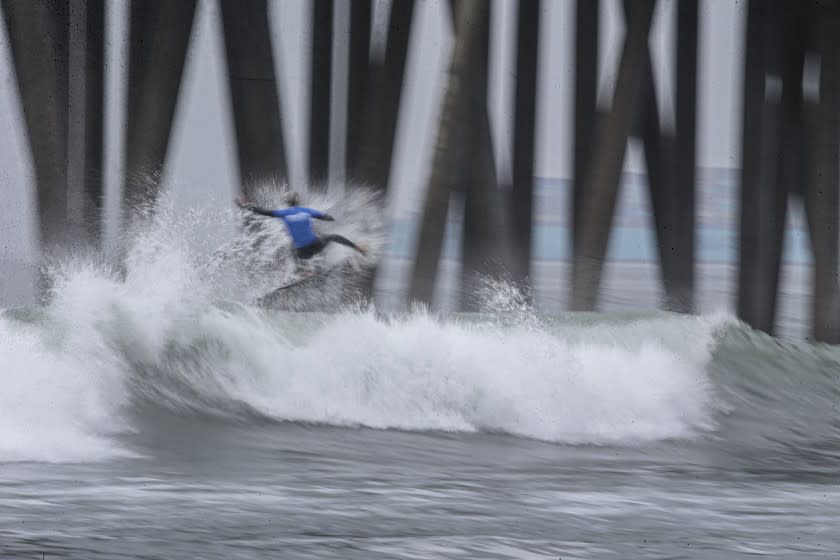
<point>419,372</point>
<point>176,330</point>
<point>61,393</point>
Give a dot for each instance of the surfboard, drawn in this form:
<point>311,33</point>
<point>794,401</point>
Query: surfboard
<point>269,296</point>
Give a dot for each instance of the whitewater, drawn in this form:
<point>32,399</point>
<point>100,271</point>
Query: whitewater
<point>322,427</point>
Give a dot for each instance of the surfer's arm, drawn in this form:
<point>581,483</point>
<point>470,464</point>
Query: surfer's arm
<point>282,212</point>
<point>245,205</point>
<point>318,215</point>
<point>261,211</point>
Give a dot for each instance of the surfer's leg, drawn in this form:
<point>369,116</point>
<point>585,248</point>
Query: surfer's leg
<point>309,251</point>
<point>327,239</point>
<point>303,254</point>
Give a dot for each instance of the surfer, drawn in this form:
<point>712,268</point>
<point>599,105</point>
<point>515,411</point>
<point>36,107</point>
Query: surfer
<point>298,220</point>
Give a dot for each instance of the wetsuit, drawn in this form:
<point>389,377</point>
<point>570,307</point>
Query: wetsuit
<point>298,220</point>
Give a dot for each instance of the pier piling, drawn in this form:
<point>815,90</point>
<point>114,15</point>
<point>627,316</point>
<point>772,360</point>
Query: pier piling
<point>38,40</point>
<point>603,170</point>
<point>254,93</point>
<point>320,92</point>
<point>158,39</point>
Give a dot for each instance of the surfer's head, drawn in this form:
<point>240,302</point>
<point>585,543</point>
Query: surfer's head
<point>292,199</point>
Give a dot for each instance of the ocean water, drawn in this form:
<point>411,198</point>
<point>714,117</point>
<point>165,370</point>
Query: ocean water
<point>155,413</point>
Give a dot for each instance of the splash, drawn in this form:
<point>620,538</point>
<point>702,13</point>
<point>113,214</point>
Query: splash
<point>175,329</point>
<point>241,257</point>
<point>419,372</point>
<point>55,404</point>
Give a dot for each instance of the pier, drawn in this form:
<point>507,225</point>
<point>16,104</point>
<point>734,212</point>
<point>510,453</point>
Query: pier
<point>789,122</point>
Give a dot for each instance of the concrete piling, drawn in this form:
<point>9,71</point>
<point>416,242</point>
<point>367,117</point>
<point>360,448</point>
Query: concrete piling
<point>254,93</point>
<point>465,52</point>
<point>586,89</point>
<point>320,92</point>
<point>790,141</point>
<point>606,161</point>
<point>763,197</point>
<point>821,195</point>
<point>524,136</point>
<point>159,34</point>
<point>358,70</point>
<point>38,40</point>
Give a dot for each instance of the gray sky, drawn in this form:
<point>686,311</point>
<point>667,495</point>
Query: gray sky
<point>202,166</point>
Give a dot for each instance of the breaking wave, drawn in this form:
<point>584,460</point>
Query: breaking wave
<point>177,330</point>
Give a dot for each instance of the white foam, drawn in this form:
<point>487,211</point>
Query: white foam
<point>420,374</point>
<point>67,380</point>
<point>54,404</point>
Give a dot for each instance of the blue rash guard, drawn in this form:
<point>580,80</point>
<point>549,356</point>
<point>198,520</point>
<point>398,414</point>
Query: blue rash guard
<point>298,220</point>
